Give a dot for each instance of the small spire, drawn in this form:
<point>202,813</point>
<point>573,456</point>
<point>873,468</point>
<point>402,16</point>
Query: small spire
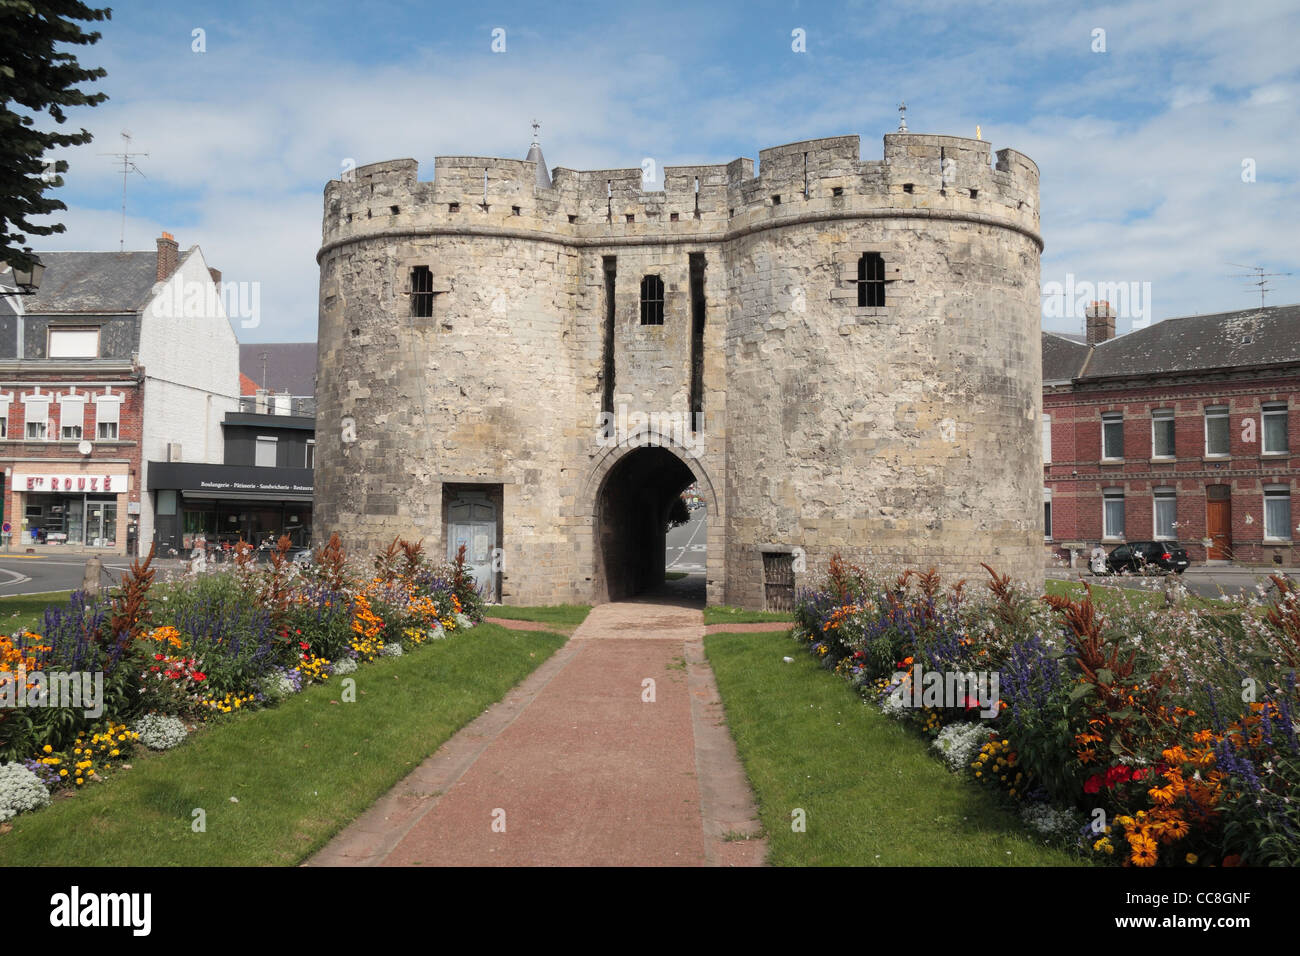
<point>535,155</point>
<point>902,117</point>
<point>536,127</point>
<point>977,132</point>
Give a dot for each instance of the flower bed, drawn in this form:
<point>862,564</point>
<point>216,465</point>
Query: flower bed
<point>156,661</point>
<point>1144,737</point>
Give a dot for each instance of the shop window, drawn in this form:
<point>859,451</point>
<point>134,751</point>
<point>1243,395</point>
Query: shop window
<point>310,458</point>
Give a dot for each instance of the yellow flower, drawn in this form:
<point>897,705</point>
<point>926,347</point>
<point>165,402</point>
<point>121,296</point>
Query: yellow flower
<point>47,749</point>
<point>1191,859</point>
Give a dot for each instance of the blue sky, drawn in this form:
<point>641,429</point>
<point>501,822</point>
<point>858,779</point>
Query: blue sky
<point>1141,147</point>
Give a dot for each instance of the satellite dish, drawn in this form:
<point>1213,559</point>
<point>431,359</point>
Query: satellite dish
<point>85,447</point>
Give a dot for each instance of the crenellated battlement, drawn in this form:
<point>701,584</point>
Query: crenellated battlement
<point>920,175</point>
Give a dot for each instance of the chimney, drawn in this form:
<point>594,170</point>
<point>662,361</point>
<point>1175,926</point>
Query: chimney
<point>1101,323</point>
<point>216,276</point>
<point>168,254</point>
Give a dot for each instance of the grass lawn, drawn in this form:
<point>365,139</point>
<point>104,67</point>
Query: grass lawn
<point>300,771</point>
<point>27,610</point>
<point>724,614</point>
<point>564,617</point>
<point>871,790</point>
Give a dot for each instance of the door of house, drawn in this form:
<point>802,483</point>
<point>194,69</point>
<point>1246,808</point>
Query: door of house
<point>1218,523</point>
<point>472,522</point>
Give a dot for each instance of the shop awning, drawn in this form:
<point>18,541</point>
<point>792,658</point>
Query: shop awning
<point>270,497</point>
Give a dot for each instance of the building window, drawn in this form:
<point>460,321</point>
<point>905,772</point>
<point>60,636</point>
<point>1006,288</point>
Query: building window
<point>4,426</point>
<point>310,461</point>
<point>107,415</point>
<point>37,415</point>
<point>1047,439</point>
<point>1113,513</point>
<point>72,415</point>
<point>1047,514</point>
<point>1112,436</point>
<point>652,301</point>
<point>1277,513</point>
<point>73,343</point>
<point>1165,515</point>
<point>1274,428</point>
<point>1216,430</point>
<point>265,454</point>
<point>871,280</point>
<point>1162,433</point>
<point>421,292</point>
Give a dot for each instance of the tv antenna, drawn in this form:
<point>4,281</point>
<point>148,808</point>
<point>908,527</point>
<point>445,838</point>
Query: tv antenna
<point>1257,277</point>
<point>127,159</point>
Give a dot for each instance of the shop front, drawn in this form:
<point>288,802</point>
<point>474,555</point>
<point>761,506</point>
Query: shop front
<point>220,505</point>
<point>86,511</point>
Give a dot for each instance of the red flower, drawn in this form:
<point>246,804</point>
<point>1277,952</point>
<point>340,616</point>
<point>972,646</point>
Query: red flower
<point>303,644</point>
<point>158,657</point>
<point>1093,783</point>
<point>199,675</point>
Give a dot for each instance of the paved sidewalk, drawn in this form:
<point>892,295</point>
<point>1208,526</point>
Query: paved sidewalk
<point>575,767</point>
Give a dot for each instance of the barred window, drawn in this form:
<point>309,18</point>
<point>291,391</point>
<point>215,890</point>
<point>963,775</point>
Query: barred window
<point>871,280</point>
<point>652,301</point>
<point>421,292</point>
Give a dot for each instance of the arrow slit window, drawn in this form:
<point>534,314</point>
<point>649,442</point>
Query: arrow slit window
<point>421,292</point>
<point>652,301</point>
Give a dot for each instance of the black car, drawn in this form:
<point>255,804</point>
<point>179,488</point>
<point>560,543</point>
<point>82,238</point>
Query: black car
<point>1141,557</point>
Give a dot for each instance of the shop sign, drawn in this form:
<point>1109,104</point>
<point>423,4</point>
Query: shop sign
<point>80,484</point>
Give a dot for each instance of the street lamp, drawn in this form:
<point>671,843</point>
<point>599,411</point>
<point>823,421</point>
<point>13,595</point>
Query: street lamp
<point>28,280</point>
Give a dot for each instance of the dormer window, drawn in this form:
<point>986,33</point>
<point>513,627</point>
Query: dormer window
<point>73,343</point>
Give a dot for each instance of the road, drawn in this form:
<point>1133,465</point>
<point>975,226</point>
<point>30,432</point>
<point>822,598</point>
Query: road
<point>36,574</point>
<point>686,544</point>
<point>1203,582</point>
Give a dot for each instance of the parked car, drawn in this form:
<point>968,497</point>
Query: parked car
<point>1140,557</point>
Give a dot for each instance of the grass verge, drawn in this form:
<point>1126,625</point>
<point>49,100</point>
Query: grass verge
<point>300,771</point>
<point>1109,595</point>
<point>559,615</point>
<point>25,611</point>
<point>725,614</point>
<point>871,792</point>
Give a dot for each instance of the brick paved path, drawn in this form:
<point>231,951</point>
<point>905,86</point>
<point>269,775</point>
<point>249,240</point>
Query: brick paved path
<point>574,768</point>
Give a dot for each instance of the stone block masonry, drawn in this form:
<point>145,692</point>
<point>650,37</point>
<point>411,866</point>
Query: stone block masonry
<point>466,332</point>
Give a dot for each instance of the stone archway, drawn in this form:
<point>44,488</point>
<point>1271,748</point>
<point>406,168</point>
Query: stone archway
<point>631,490</point>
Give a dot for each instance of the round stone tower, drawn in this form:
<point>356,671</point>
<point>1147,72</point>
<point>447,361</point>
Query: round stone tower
<point>842,355</point>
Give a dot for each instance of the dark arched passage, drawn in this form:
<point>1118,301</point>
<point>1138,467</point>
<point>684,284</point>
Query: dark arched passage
<point>631,520</point>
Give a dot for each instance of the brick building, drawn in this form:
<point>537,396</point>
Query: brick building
<point>1185,430</point>
<point>119,355</point>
